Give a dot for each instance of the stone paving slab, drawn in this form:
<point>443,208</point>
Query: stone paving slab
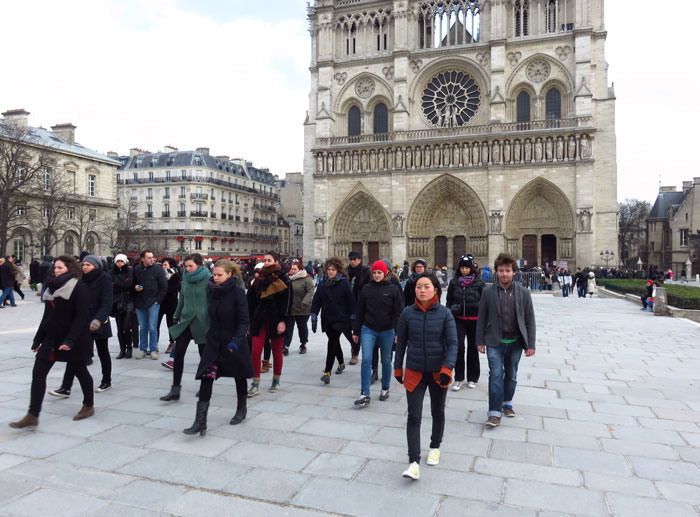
<point>608,423</point>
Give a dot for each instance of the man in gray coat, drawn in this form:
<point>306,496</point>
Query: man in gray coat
<point>505,327</point>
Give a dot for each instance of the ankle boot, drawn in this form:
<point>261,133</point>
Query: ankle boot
<point>85,411</point>
<point>200,420</point>
<point>174,394</point>
<point>128,353</point>
<point>265,366</point>
<point>240,415</point>
<point>122,352</point>
<point>30,420</point>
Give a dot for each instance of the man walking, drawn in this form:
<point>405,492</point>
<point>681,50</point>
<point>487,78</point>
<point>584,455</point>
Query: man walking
<point>7,282</point>
<point>505,327</point>
<point>358,276</point>
<point>150,286</point>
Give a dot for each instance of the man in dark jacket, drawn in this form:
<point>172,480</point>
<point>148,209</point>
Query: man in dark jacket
<point>33,273</point>
<point>150,286</point>
<point>580,281</point>
<point>7,282</point>
<point>505,327</point>
<point>358,276</point>
<point>45,271</point>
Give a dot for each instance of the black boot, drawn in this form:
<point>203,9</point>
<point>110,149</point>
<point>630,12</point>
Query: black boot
<point>174,394</point>
<point>240,415</point>
<point>122,352</point>
<point>200,420</point>
<point>128,353</point>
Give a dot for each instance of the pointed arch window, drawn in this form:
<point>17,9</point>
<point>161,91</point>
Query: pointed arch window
<point>381,119</point>
<point>521,18</point>
<point>354,121</point>
<point>553,104</point>
<point>551,15</point>
<point>523,107</point>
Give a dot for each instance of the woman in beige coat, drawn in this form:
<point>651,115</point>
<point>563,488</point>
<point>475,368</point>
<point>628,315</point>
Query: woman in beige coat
<point>302,294</point>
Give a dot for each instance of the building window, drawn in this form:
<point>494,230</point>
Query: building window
<point>523,107</point>
<point>354,124</point>
<point>450,99</point>
<point>68,245</point>
<point>46,212</point>
<point>149,193</point>
<point>198,245</point>
<point>381,119</point>
<point>70,213</point>
<point>90,245</point>
<point>684,237</point>
<point>521,17</point>
<point>182,192</point>
<point>71,180</point>
<point>92,215</point>
<point>150,176</point>
<point>18,248</point>
<point>652,246</point>
<point>551,16</point>
<point>47,178</point>
<point>135,176</point>
<point>168,175</point>
<point>92,181</point>
<point>553,104</point>
<point>149,210</point>
<point>22,210</point>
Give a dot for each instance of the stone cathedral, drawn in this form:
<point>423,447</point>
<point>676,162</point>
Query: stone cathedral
<point>441,127</point>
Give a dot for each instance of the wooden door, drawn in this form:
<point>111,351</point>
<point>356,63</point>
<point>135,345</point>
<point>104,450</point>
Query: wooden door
<point>440,251</point>
<point>357,246</point>
<point>530,250</point>
<point>372,252</point>
<point>459,248</point>
<point>549,250</point>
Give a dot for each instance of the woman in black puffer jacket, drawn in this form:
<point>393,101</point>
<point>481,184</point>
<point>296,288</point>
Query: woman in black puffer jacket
<point>123,304</point>
<point>463,296</point>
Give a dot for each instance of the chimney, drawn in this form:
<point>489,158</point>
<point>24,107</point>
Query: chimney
<point>65,132</point>
<point>17,118</point>
<point>687,185</point>
<point>203,150</point>
<point>697,180</point>
<point>170,149</point>
<point>671,188</point>
<point>134,151</point>
<point>112,154</point>
<point>223,157</point>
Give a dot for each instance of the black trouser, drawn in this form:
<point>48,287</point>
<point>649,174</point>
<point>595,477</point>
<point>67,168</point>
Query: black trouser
<point>267,349</point>
<point>415,413</point>
<point>18,290</point>
<point>467,328</point>
<point>169,320</point>
<point>181,344</point>
<point>334,349</point>
<point>105,362</point>
<point>207,384</point>
<point>123,320</point>
<point>644,301</point>
<point>134,330</point>
<point>42,367</point>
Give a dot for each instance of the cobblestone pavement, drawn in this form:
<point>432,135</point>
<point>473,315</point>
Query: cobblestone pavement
<point>607,424</point>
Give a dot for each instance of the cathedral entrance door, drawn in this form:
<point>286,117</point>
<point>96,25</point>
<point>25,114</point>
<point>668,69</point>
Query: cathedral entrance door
<point>459,248</point>
<point>440,251</point>
<point>372,252</point>
<point>530,250</point>
<point>549,250</point>
<point>357,246</point>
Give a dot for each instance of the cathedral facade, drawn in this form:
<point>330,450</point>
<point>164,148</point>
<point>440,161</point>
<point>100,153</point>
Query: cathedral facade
<point>442,127</point>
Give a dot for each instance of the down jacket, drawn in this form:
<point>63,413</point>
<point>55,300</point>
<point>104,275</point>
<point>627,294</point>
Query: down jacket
<point>428,339</point>
<point>464,301</point>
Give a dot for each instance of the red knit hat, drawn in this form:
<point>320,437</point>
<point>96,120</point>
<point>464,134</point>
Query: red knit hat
<point>379,265</point>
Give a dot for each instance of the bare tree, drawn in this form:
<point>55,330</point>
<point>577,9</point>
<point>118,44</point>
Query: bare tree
<point>128,232</point>
<point>632,229</point>
<point>84,221</point>
<point>49,204</point>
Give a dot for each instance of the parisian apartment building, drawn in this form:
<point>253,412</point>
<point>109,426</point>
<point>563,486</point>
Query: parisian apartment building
<point>176,202</point>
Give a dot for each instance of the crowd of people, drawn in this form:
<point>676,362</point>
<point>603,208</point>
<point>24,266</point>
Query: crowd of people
<point>242,314</point>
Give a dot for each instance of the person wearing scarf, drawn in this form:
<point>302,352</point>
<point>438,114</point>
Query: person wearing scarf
<point>302,287</point>
<point>63,335</point>
<point>268,305</point>
<point>419,267</point>
<point>463,296</point>
<point>427,337</point>
<point>192,316</point>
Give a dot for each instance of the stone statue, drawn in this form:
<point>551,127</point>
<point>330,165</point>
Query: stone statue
<point>409,158</point>
<point>513,247</point>
<point>538,150</point>
<point>516,151</point>
<point>496,219</point>
<point>548,150</point>
<point>584,221</point>
<point>363,161</point>
<point>560,149</point>
<point>445,155</point>
<point>585,148</point>
<point>319,162</point>
<point>320,227</point>
<point>436,156</point>
<point>338,162</point>
<point>565,248</point>
<point>484,153</point>
<point>475,154</point>
<point>399,158</point>
<point>372,160</point>
<point>398,225</point>
<point>465,155</point>
<point>330,163</point>
<point>380,160</point>
<point>506,152</point>
<point>456,155</point>
<point>528,151</point>
<point>355,161</point>
<point>572,148</point>
<point>419,157</point>
<point>390,159</point>
<point>496,152</point>
<point>428,156</point>
<point>346,159</point>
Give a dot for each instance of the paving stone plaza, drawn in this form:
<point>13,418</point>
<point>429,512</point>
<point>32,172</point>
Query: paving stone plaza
<point>607,424</point>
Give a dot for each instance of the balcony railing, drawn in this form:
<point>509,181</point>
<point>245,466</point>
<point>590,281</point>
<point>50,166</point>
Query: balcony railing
<point>182,213</point>
<point>212,215</point>
<point>196,195</point>
<point>148,214</point>
<point>165,214</point>
<point>223,215</point>
<point>198,213</point>
<point>194,179</point>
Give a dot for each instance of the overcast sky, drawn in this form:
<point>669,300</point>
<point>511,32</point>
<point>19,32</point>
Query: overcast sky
<point>233,76</point>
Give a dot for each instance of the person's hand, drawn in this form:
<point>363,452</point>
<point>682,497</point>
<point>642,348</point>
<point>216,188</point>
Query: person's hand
<point>64,348</point>
<point>94,325</point>
<point>444,379</point>
<point>355,339</point>
<point>529,352</point>
<point>138,288</point>
<point>396,338</point>
<point>314,326</point>
<point>399,378</point>
<point>281,327</point>
<point>35,350</point>
<point>481,349</point>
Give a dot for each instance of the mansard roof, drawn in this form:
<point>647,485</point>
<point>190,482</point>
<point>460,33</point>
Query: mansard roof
<point>663,201</point>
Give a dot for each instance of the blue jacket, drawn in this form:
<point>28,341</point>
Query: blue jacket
<point>428,339</point>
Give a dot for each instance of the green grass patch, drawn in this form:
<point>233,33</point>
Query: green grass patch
<point>681,296</point>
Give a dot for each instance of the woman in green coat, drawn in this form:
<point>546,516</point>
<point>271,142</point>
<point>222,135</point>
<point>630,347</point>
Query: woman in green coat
<point>192,316</point>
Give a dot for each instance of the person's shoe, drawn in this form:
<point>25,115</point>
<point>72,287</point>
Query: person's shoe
<point>353,360</point>
<point>103,387</point>
<point>28,420</point>
<point>122,353</point>
<point>200,420</point>
<point>302,348</point>
<point>173,394</point>
<point>154,355</point>
<point>340,369</point>
<point>85,412</point>
<point>140,354</point>
<point>375,377</point>
<point>433,457</point>
<point>254,389</point>
<point>285,350</point>
<point>240,415</point>
<point>643,309</point>
<point>508,411</point>
<point>412,472</point>
<point>384,395</point>
<point>275,387</point>
<point>60,392</point>
<point>471,385</point>
<point>457,385</point>
<point>128,353</point>
<point>493,421</point>
<point>326,377</point>
<point>265,366</point>
<point>363,401</point>
<point>169,364</point>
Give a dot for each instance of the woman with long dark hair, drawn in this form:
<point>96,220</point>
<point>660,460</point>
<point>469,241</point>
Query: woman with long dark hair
<point>63,335</point>
<point>123,304</point>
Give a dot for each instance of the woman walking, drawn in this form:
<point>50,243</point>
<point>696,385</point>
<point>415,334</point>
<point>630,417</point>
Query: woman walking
<point>63,335</point>
<point>169,304</point>
<point>99,284</point>
<point>123,304</point>
<point>566,283</point>
<point>591,284</point>
<point>226,351</point>
<point>268,304</point>
<point>463,296</point>
<point>302,287</point>
<point>427,337</point>
<point>334,300</point>
<point>192,316</point>
<point>376,319</point>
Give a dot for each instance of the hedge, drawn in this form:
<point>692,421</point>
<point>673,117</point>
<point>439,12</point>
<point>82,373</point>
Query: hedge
<point>681,296</point>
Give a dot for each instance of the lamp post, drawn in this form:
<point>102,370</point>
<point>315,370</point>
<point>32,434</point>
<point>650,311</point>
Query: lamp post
<point>607,256</point>
<point>688,269</point>
<point>639,263</point>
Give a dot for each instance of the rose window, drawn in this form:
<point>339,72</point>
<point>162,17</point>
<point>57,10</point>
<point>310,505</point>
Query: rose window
<point>450,99</point>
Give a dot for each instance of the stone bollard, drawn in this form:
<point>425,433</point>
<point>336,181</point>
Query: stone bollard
<point>661,302</point>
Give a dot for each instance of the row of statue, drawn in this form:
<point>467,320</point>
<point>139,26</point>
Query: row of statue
<point>467,154</point>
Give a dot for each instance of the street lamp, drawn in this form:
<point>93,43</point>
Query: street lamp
<point>639,263</point>
<point>607,256</point>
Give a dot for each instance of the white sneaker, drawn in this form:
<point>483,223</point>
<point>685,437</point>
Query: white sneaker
<point>457,385</point>
<point>140,354</point>
<point>154,355</point>
<point>433,457</point>
<point>471,385</point>
<point>413,471</point>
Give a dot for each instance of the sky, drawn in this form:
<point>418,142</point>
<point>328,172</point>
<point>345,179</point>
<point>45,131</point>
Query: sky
<point>232,75</point>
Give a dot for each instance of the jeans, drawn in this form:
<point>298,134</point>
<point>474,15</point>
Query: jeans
<point>7,293</point>
<point>503,372</point>
<point>302,329</point>
<point>148,321</point>
<point>581,291</point>
<point>467,328</point>
<point>415,414</point>
<point>565,291</point>
<point>384,340</point>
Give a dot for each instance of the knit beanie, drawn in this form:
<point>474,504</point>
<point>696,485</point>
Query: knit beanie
<point>379,265</point>
<point>121,257</point>
<point>466,261</point>
<point>94,260</point>
<point>420,261</point>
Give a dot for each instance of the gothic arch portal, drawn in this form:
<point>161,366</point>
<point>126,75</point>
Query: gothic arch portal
<point>446,220</point>
<point>540,225</point>
<point>361,224</point>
